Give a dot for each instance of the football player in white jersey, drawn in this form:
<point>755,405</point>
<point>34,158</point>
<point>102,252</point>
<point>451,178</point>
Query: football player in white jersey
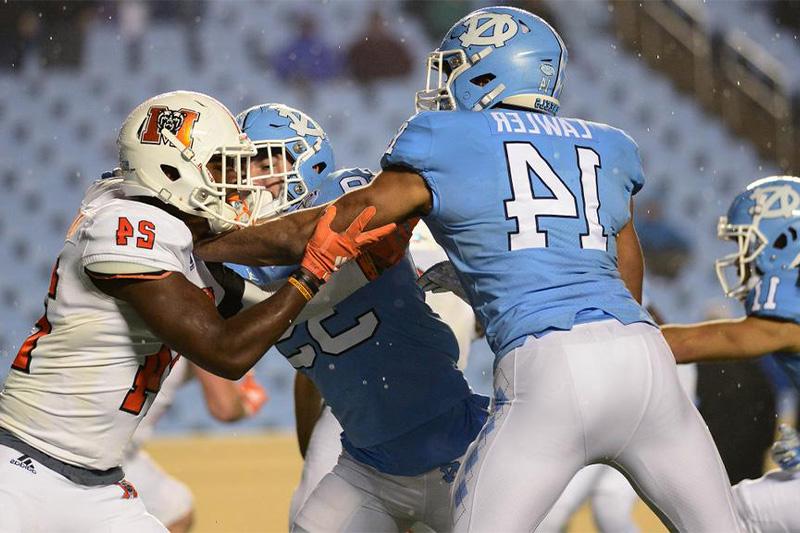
<point>124,293</point>
<point>164,496</point>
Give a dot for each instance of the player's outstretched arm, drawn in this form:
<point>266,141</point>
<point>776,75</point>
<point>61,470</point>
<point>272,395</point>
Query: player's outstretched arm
<point>731,339</point>
<point>185,318</point>
<point>396,194</point>
<point>229,401</point>
<point>629,258</point>
<point>307,408</point>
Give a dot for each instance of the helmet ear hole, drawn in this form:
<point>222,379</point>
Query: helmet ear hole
<point>171,172</point>
<point>483,79</point>
<point>319,168</point>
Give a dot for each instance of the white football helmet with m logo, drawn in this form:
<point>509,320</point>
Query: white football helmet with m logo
<point>165,145</point>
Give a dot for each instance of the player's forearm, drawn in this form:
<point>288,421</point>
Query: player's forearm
<point>231,347</point>
<point>396,195</point>
<point>222,397</point>
<point>278,242</point>
<point>717,341</point>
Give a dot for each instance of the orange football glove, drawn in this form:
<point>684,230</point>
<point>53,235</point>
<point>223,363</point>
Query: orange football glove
<point>387,252</point>
<point>327,250</point>
<point>252,393</point>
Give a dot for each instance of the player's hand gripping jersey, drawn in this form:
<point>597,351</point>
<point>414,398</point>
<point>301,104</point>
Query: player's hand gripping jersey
<point>83,380</point>
<point>533,204</point>
<point>385,364</point>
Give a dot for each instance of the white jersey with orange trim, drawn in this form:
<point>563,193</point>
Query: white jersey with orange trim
<point>179,375</point>
<point>84,379</point>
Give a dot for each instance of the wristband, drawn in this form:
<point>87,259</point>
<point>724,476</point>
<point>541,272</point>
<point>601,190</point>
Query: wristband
<point>304,282</point>
<point>301,288</point>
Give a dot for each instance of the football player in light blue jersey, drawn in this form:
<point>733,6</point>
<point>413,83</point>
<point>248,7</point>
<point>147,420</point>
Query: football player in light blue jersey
<point>763,273</point>
<point>534,211</point>
<point>384,363</point>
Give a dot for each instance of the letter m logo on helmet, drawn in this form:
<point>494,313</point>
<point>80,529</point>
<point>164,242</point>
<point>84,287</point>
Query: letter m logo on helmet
<point>180,123</point>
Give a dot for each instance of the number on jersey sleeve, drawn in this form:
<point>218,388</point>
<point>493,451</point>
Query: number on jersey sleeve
<point>146,236</point>
<point>769,304</point>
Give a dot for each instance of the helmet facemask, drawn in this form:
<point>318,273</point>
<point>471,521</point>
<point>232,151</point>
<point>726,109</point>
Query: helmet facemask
<point>751,242</point>
<point>229,202</point>
<point>443,67</point>
<point>293,187</point>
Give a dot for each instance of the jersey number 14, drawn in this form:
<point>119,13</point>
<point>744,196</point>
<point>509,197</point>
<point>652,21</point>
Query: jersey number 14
<point>526,208</point>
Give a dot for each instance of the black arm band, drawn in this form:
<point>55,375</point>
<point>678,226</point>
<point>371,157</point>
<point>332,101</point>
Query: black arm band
<point>307,279</point>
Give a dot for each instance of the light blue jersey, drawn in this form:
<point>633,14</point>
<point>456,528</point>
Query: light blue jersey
<point>386,365</point>
<point>777,296</point>
<point>527,207</point>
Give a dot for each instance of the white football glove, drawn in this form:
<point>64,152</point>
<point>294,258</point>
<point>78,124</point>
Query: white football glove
<point>786,450</point>
<point>442,277</point>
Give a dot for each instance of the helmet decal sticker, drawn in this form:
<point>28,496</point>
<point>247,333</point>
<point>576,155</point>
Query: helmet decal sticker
<point>489,29</point>
<point>776,201</point>
<point>301,123</point>
<point>180,123</point>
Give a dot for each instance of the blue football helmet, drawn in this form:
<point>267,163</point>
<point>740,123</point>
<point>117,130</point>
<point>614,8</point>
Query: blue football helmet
<point>299,139</point>
<point>764,220</point>
<point>494,55</point>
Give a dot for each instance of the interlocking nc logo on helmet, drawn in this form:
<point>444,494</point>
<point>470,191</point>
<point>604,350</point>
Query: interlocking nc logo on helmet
<point>180,123</point>
<point>302,123</point>
<point>777,201</point>
<point>489,29</point>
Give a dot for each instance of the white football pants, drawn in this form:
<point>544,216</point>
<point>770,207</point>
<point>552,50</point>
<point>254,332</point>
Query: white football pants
<point>611,496</point>
<point>34,499</point>
<point>769,504</point>
<point>600,392</point>
<point>356,498</point>
<point>165,497</point>
<point>324,448</point>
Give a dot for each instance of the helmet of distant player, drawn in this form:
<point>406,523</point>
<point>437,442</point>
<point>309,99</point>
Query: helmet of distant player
<point>764,221</point>
<point>165,145</point>
<point>280,130</point>
<point>496,55</point>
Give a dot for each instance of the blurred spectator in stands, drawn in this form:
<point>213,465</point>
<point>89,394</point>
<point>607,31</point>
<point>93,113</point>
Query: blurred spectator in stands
<point>65,25</point>
<point>665,248</point>
<point>133,17</point>
<point>437,17</point>
<point>378,54</point>
<point>307,58</point>
<point>786,12</point>
<point>49,33</point>
<point>20,32</point>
